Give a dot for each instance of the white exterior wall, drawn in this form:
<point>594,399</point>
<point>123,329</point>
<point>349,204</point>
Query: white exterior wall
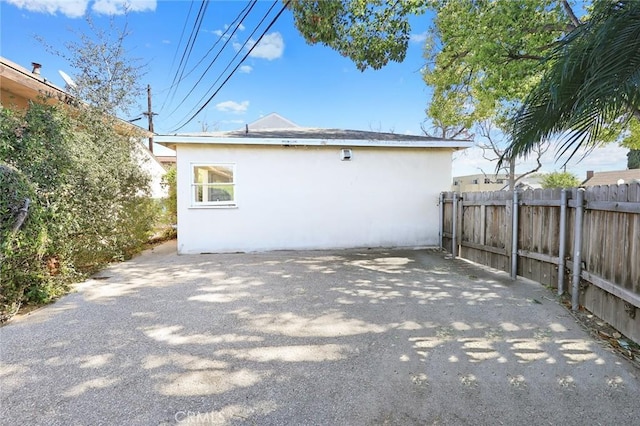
<point>152,166</point>
<point>307,198</point>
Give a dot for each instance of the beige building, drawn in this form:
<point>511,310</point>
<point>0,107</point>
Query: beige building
<point>614,177</point>
<point>19,86</point>
<point>480,182</point>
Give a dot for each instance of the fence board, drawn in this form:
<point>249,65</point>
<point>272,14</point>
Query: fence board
<point>610,248</point>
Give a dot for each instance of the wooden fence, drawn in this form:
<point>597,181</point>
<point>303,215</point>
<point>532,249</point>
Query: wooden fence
<point>582,241</point>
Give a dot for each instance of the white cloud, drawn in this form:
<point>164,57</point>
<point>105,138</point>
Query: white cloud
<point>166,41</point>
<point>78,8</point>
<point>234,107</point>
<point>241,27</point>
<point>119,7</point>
<point>246,69</point>
<point>218,32</point>
<point>418,38</point>
<point>70,8</point>
<point>270,47</point>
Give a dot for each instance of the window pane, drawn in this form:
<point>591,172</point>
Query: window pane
<point>220,193</point>
<point>213,174</point>
<point>213,185</point>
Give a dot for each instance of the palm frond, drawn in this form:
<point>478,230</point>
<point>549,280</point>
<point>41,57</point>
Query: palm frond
<point>593,82</point>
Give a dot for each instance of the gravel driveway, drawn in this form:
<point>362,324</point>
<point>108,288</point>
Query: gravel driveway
<point>353,337</point>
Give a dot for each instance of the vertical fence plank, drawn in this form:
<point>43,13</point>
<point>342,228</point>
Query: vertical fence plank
<point>562,245</point>
<point>577,251</point>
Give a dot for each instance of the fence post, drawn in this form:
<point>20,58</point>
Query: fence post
<point>563,240</point>
<point>441,211</point>
<point>454,231</point>
<point>577,251</point>
<point>514,236</point>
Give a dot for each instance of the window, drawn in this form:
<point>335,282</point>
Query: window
<point>455,183</point>
<point>213,185</point>
<point>487,180</point>
<point>474,182</point>
<point>501,181</point>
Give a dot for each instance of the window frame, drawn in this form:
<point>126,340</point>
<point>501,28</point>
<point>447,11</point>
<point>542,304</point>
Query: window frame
<point>229,204</point>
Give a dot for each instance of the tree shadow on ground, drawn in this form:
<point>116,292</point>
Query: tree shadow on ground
<point>341,337</point>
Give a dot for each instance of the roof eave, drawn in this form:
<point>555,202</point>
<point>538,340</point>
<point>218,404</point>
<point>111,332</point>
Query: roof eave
<point>173,141</point>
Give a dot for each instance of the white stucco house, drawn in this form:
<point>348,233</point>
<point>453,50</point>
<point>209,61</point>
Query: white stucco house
<point>274,185</point>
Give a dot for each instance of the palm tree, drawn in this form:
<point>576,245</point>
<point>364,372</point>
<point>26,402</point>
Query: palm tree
<point>591,90</point>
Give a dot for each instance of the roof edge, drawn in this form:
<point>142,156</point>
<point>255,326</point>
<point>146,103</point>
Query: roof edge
<point>172,141</point>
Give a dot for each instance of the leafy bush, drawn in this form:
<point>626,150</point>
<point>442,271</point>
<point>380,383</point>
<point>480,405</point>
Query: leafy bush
<point>560,180</point>
<point>90,202</point>
<point>170,204</point>
<point>23,244</point>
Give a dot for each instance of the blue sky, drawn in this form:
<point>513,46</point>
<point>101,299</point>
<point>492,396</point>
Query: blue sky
<point>310,85</point>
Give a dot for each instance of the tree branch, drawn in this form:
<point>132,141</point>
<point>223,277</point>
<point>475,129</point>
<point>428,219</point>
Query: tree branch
<point>572,15</point>
<point>517,56</point>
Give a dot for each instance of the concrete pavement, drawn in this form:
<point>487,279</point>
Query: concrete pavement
<point>345,337</point>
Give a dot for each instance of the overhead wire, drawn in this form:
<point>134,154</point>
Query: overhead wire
<point>224,35</point>
<point>175,54</point>
<point>184,27</point>
<point>188,48</point>
<point>273,21</point>
<point>250,6</point>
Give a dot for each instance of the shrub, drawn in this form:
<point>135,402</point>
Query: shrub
<point>89,195</point>
<point>23,240</point>
<point>170,204</point>
<point>560,180</point>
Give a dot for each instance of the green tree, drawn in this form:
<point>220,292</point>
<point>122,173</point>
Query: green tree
<point>105,74</point>
<point>369,32</point>
<point>589,93</point>
<point>560,180</point>
<point>633,159</point>
<point>483,58</point>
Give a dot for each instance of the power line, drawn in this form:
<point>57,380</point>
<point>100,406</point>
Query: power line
<point>175,54</point>
<point>195,34</point>
<point>189,46</point>
<point>184,27</point>
<point>252,4</point>
<point>273,21</point>
<point>224,34</point>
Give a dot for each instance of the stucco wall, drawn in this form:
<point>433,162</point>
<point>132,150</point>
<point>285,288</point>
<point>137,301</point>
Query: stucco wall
<point>153,167</point>
<point>307,198</point>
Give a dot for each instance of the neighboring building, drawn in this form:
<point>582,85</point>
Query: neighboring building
<point>301,188</point>
<point>527,183</point>
<point>480,182</point>
<point>167,161</point>
<point>499,182</point>
<point>614,177</point>
<point>18,86</point>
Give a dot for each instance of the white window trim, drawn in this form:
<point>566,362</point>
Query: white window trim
<point>212,204</point>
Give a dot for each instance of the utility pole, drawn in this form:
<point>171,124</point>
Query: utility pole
<point>150,115</point>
